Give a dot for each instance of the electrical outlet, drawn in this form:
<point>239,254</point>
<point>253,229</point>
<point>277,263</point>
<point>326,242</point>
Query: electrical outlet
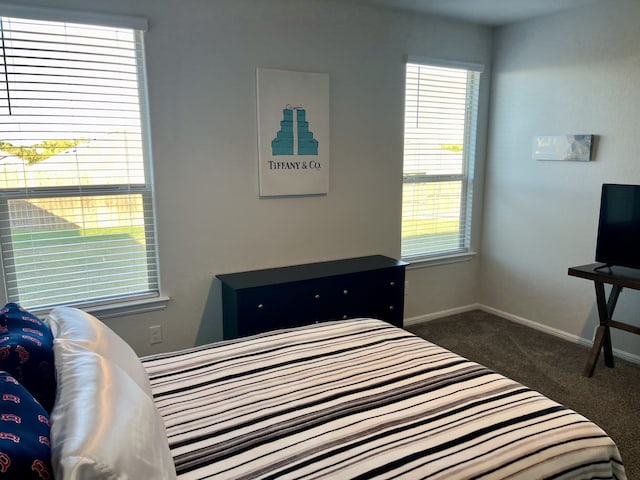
<point>155,334</point>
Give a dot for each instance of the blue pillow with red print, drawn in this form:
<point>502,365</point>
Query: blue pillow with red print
<point>26,352</point>
<point>25,450</point>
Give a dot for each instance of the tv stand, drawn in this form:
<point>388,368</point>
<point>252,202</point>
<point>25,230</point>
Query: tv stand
<point>619,278</point>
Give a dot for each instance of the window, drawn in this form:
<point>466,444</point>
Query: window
<point>76,196</point>
<point>441,105</point>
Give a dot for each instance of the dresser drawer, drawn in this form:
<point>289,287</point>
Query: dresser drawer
<point>281,306</point>
<point>378,295</point>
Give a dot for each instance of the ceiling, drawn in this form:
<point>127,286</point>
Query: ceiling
<point>484,12</point>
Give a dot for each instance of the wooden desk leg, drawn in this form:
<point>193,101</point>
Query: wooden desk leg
<point>611,306</point>
<point>603,334</point>
<point>595,351</point>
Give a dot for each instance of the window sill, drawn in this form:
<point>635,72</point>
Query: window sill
<point>121,309</point>
<point>129,308</point>
<point>439,260</point>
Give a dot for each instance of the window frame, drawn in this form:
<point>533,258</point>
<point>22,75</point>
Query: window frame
<point>466,177</point>
<point>122,304</point>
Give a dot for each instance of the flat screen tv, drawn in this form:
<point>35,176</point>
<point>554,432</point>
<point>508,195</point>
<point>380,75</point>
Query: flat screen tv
<point>619,226</point>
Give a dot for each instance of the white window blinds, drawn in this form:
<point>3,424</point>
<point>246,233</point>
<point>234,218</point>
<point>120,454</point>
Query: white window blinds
<point>441,105</point>
<point>76,199</point>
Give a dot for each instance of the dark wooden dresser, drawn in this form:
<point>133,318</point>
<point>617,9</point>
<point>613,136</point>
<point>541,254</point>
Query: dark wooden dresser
<point>263,300</point>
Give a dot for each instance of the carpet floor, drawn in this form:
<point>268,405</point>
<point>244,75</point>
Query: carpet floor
<point>553,367</point>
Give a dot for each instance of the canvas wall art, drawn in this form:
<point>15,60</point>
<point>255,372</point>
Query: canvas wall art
<point>563,147</point>
<point>293,132</point>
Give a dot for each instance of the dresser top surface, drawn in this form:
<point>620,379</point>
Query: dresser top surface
<point>309,271</point>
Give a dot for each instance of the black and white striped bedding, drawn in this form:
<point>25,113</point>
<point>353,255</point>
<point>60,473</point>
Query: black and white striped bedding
<point>363,399</point>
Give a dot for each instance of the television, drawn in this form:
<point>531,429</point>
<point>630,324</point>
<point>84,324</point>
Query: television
<point>619,226</point>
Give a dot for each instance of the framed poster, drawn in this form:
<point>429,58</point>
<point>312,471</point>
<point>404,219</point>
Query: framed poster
<point>293,132</point>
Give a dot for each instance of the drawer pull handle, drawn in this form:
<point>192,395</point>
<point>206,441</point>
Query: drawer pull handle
<point>344,317</point>
<point>390,307</point>
<point>345,291</point>
<point>317,297</point>
<point>260,306</point>
<point>393,284</point>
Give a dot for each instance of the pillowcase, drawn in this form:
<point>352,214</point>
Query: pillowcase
<point>103,424</point>
<point>24,433</point>
<point>71,325</point>
<point>26,352</point>
<point>14,316</point>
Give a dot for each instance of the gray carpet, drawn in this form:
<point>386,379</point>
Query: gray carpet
<point>552,366</point>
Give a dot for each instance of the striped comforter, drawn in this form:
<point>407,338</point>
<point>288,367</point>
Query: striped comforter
<point>363,399</point>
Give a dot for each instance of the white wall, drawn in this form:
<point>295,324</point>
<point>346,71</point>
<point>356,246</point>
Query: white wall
<point>201,61</point>
<point>575,72</point>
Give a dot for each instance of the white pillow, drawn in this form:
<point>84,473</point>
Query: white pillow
<point>83,329</point>
<point>103,425</point>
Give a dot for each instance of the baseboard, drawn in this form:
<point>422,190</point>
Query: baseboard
<point>630,357</point>
<point>443,313</point>
<point>538,326</point>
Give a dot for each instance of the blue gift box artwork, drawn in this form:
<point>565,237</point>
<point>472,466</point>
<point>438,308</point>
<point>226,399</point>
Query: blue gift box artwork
<point>294,129</point>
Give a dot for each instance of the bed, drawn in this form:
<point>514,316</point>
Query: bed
<point>349,399</point>
<point>363,399</point>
